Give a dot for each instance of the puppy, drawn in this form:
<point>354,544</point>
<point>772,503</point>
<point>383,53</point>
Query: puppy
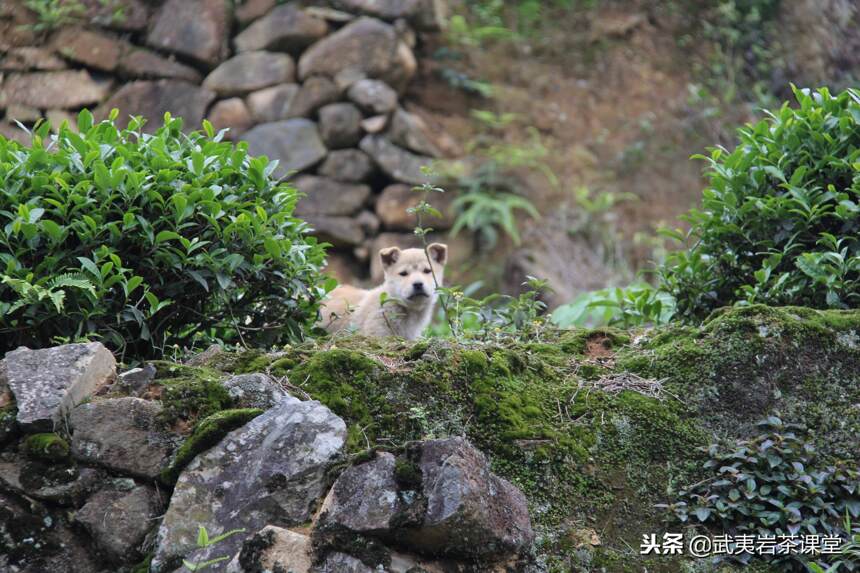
<point>409,293</point>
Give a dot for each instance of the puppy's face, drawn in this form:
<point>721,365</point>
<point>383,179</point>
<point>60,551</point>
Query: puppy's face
<point>409,275</point>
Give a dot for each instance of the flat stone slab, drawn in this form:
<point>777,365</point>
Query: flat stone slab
<point>48,383</point>
<point>294,143</point>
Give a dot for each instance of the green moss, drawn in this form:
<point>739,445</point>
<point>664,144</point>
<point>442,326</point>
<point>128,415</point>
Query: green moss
<point>208,432</point>
<point>407,474</point>
<point>8,422</point>
<point>47,446</point>
<point>580,454</point>
<point>192,398</point>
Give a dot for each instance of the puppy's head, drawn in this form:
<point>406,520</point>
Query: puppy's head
<point>409,275</point>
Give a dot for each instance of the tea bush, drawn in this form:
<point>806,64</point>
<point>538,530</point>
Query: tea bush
<point>779,220</point>
<point>146,241</point>
<point>773,484</point>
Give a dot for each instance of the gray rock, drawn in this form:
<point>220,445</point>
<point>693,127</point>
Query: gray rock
<point>369,222</point>
<point>153,99</point>
<point>22,113</point>
<point>124,435</point>
<point>470,511</point>
<point>140,63</point>
<point>254,391</point>
<point>119,520</point>
<point>231,114</point>
<point>411,132</point>
<point>396,162</point>
<point>286,28</point>
<point>31,58</point>
<point>340,125</point>
<point>272,470</point>
<point>250,71</point>
<point>366,45</point>
<point>61,90</point>
<point>365,499</point>
<point>375,124</point>
<point>314,93</point>
<point>449,503</point>
<point>60,483</point>
<point>350,165</point>
<point>274,549</point>
<point>90,48</point>
<point>295,143</point>
<point>330,14</point>
<point>373,96</point>
<point>48,383</point>
<point>341,563</point>
<point>425,14</point>
<point>136,381</point>
<point>339,231</point>
<point>124,15</point>
<point>393,202</point>
<point>271,104</point>
<point>212,352</point>
<point>250,10</point>
<point>324,196</point>
<point>196,29</point>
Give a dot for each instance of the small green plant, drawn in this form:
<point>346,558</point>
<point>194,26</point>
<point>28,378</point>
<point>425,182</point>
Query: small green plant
<point>772,484</point>
<point>53,14</point>
<point>638,304</point>
<point>146,241</point>
<point>203,542</point>
<point>778,222</point>
<point>849,555</point>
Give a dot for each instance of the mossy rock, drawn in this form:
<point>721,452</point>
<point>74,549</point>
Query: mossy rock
<point>586,457</point>
<point>208,432</point>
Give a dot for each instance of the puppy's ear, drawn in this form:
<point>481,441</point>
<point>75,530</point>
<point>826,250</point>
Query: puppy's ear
<point>438,252</point>
<point>389,256</point>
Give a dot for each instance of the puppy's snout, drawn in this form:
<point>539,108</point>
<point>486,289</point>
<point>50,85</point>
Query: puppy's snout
<point>418,286</point>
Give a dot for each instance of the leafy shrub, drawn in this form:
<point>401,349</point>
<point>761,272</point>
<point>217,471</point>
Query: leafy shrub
<point>772,485</point>
<point>779,219</point>
<point>146,241</point>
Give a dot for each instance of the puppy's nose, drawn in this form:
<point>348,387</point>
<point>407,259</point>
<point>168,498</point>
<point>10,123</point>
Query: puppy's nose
<point>418,286</point>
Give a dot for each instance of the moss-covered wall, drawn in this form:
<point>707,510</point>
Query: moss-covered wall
<point>593,462</point>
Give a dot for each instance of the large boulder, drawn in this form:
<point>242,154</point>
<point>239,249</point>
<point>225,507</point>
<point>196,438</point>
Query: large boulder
<point>295,143</point>
<point>153,99</point>
<point>286,28</point>
<point>367,46</point>
<point>232,114</point>
<point>48,383</point>
<point>398,163</point>
<point>125,435</point>
<point>337,230</point>
<point>65,89</point>
<point>250,71</point>
<point>340,125</point>
<point>324,196</point>
<point>119,518</point>
<point>195,29</point>
<point>31,58</point>
<point>470,510</point>
<point>272,470</point>
<point>439,499</point>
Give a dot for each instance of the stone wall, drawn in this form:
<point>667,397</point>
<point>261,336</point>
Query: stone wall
<point>319,86</point>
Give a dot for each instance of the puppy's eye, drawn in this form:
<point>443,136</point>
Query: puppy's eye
<point>403,273</point>
<point>427,271</point>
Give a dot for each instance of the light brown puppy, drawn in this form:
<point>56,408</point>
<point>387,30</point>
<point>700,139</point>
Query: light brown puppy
<point>409,292</point>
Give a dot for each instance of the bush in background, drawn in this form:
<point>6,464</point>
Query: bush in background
<point>779,221</point>
<point>148,241</point>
